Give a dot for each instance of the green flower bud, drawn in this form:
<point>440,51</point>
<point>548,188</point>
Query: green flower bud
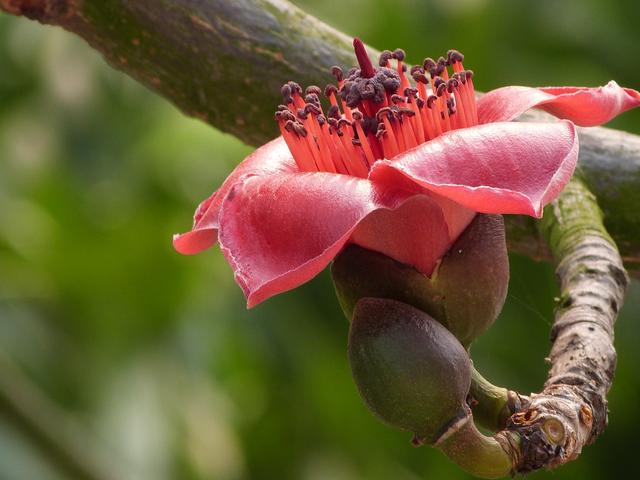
<point>411,372</point>
<point>465,293</point>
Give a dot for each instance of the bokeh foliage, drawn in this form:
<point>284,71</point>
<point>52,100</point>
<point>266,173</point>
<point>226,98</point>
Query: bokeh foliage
<point>154,353</point>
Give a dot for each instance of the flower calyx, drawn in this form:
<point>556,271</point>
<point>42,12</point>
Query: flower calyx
<point>465,293</point>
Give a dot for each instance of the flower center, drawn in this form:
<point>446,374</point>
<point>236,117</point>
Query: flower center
<point>375,112</point>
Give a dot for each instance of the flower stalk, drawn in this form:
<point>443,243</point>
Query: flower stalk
<point>491,405</point>
<point>478,454</point>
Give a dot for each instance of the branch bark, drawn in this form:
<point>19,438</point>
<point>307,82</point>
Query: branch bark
<point>571,411</point>
<point>223,61</point>
<point>550,428</point>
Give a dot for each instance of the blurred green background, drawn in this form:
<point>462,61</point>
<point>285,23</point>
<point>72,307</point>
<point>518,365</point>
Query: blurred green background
<point>154,354</point>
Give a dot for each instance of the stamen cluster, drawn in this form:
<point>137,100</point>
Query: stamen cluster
<point>375,112</point>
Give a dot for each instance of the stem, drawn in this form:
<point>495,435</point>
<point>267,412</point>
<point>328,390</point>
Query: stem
<point>479,455</point>
<point>492,405</point>
<point>47,427</point>
<point>224,61</point>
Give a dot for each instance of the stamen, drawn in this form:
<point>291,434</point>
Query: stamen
<point>441,70</point>
<point>455,59</point>
<point>394,116</point>
<point>453,118</point>
<point>472,94</point>
<point>452,88</point>
<point>290,141</point>
<point>399,55</point>
<point>427,122</point>
<point>347,149</point>
<point>385,56</point>
<point>404,115</point>
<point>334,112</point>
<point>435,114</point>
<point>347,138</point>
<point>412,97</point>
<point>466,97</point>
<point>302,155</point>
<point>336,158</point>
<point>324,154</point>
<point>430,66</point>
<point>444,111</point>
<point>310,145</point>
<point>336,145</point>
<point>357,118</point>
<point>344,155</point>
<point>337,72</point>
<point>330,92</point>
<point>288,115</point>
<point>296,90</point>
<point>383,139</point>
<point>397,99</point>
<point>383,115</point>
<point>312,98</point>
<point>313,90</point>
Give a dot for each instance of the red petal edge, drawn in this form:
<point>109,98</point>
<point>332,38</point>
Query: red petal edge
<point>493,168</point>
<point>584,106</point>
<point>271,158</point>
<point>281,231</point>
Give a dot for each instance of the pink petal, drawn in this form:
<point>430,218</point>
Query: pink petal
<point>271,158</point>
<point>415,233</point>
<point>278,232</point>
<point>494,168</point>
<point>584,106</point>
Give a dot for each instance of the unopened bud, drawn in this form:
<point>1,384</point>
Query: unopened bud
<point>411,372</point>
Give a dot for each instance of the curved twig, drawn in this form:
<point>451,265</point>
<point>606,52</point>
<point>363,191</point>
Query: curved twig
<point>550,428</point>
<point>571,411</point>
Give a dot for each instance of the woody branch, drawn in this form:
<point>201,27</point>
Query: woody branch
<point>552,426</point>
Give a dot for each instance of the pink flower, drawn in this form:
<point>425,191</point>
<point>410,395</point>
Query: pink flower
<point>392,168</point>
